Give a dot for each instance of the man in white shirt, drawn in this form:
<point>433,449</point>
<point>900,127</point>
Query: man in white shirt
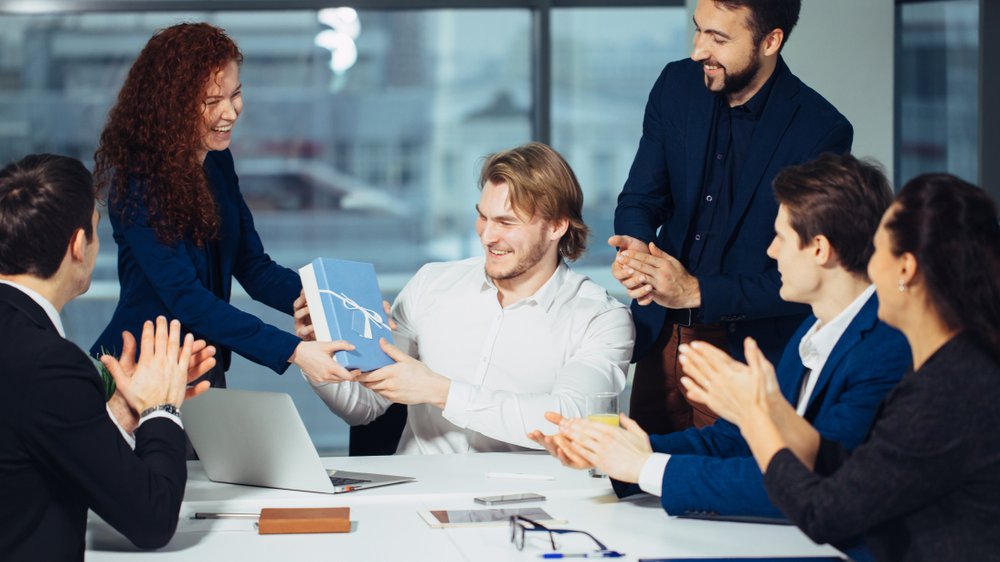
<point>60,454</point>
<point>836,369</point>
<point>485,346</point>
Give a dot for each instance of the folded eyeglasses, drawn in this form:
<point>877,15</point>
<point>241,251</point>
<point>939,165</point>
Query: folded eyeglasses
<point>520,525</point>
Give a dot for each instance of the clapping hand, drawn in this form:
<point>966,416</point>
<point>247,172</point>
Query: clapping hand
<point>652,275</point>
<point>558,445</point>
<point>620,452</point>
<point>730,388</point>
<point>123,368</point>
<point>161,374</point>
<point>627,277</point>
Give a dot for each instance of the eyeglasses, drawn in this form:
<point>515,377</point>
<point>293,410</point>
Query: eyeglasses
<point>519,525</point>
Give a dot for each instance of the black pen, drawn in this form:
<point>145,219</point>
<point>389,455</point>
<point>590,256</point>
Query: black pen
<point>210,515</point>
<point>595,554</point>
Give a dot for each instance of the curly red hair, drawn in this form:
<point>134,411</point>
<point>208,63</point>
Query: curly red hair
<point>154,133</point>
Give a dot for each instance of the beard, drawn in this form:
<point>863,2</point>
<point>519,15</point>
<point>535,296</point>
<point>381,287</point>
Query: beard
<point>738,81</point>
<point>519,267</point>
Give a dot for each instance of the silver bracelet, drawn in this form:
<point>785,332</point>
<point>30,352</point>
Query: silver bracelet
<point>168,408</point>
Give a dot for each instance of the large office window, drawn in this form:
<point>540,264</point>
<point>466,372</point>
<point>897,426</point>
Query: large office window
<point>600,81</point>
<point>360,138</point>
<point>937,89</point>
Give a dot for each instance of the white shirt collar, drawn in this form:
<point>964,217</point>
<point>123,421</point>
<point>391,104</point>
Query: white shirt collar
<point>819,341</point>
<point>544,295</point>
<point>50,310</point>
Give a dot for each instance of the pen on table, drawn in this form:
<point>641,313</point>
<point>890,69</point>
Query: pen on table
<point>595,554</point>
<point>519,475</point>
<point>210,515</point>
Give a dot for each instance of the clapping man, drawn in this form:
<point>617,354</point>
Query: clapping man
<point>837,368</point>
<point>60,453</point>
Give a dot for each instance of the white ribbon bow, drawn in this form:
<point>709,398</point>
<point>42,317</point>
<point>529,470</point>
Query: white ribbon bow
<point>369,314</point>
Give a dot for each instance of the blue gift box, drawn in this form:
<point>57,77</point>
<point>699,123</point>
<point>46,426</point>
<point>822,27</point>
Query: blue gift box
<point>345,304</point>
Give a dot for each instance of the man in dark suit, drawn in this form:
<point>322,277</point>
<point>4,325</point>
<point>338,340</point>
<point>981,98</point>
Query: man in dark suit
<point>60,452</point>
<point>837,368</point>
<point>694,218</point>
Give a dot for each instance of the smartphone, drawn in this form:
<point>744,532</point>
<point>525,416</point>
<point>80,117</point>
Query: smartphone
<point>510,498</point>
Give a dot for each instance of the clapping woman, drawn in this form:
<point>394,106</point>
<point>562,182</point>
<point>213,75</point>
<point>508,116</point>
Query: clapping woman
<point>925,485</point>
<point>182,227</point>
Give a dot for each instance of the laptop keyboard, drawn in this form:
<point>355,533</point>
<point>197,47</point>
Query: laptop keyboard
<point>338,481</point>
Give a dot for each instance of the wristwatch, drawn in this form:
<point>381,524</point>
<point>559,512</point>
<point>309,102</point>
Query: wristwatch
<point>168,408</point>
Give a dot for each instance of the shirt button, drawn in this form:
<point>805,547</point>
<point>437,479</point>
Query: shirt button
<point>718,156</point>
<point>697,236</point>
<point>708,198</point>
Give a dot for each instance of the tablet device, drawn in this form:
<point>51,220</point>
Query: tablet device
<point>440,518</point>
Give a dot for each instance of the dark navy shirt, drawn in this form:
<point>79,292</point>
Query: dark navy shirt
<point>729,143</point>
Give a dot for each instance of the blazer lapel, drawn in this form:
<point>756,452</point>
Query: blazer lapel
<point>778,114</point>
<point>791,386</point>
<point>864,322</point>
<point>790,369</point>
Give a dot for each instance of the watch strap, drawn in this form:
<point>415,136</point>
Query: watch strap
<point>166,408</point>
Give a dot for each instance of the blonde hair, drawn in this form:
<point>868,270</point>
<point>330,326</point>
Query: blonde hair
<point>541,183</point>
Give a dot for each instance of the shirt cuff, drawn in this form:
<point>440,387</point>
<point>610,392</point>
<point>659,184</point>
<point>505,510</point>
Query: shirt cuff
<point>456,407</point>
<point>310,381</point>
<point>651,476</point>
<point>128,437</point>
<point>159,414</point>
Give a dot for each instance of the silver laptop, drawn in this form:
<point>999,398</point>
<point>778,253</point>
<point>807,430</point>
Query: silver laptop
<point>258,438</point>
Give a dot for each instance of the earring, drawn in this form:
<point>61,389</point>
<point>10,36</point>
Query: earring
<point>902,286</point>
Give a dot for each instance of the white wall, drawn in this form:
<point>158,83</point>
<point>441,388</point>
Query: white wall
<point>843,49</point>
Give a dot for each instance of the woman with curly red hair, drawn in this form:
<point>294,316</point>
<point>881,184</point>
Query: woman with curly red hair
<point>182,227</point>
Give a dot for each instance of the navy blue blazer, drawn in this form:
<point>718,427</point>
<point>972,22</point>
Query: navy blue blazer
<point>176,280</point>
<point>664,185</point>
<point>712,469</point>
<point>60,454</point>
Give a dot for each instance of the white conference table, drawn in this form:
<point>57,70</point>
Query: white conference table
<point>386,525</point>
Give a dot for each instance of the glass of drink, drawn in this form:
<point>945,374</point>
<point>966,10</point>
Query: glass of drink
<point>602,407</point>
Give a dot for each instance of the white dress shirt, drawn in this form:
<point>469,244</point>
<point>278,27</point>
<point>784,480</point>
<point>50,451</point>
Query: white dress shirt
<point>507,365</point>
<point>815,348</point>
<point>53,315</point>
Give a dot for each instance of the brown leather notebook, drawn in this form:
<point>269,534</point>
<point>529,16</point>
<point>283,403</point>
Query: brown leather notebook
<point>304,520</point>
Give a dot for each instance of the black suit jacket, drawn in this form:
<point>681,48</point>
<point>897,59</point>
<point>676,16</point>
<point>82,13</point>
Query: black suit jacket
<point>61,454</point>
<point>664,186</point>
<point>925,485</point>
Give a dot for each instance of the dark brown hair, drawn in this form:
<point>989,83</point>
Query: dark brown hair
<point>840,197</point>
<point>44,200</point>
<point>541,182</point>
<point>951,227</point>
<point>768,15</point>
<point>153,134</point>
